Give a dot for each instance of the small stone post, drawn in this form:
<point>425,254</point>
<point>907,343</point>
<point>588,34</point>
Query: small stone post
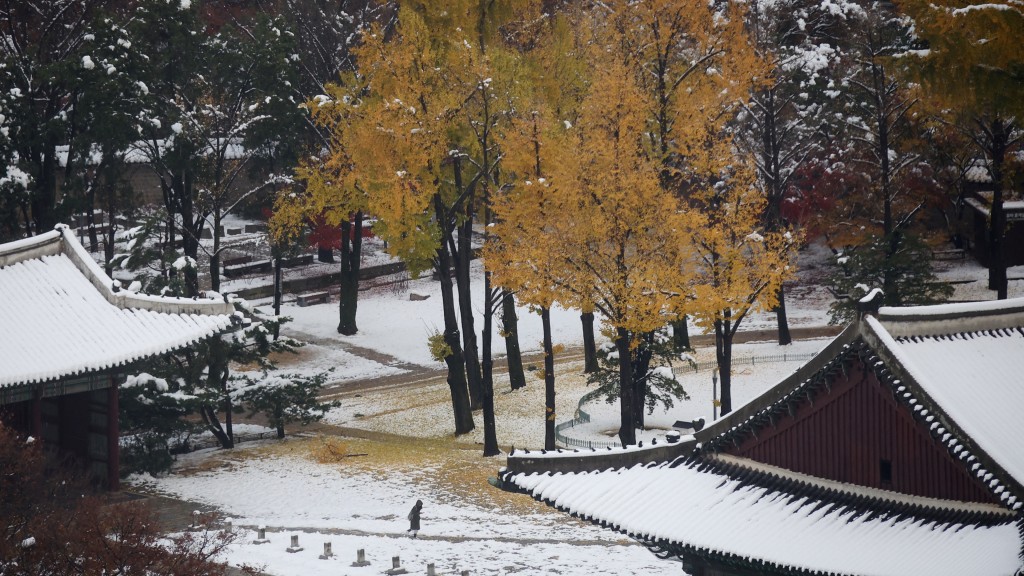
<point>327,551</point>
<point>396,567</point>
<point>430,570</point>
<point>261,535</point>
<point>295,545</point>
<point>360,558</point>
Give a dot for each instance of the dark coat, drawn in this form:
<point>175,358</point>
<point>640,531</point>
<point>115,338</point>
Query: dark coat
<point>414,516</point>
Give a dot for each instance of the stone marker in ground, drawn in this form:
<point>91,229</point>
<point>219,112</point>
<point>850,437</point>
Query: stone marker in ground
<point>396,567</point>
<point>360,558</point>
<point>295,545</point>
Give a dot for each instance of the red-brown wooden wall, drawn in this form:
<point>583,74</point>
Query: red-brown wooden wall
<point>845,434</point>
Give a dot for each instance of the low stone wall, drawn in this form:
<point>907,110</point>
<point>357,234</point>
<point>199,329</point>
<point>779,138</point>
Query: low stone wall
<point>317,282</point>
<point>588,461</point>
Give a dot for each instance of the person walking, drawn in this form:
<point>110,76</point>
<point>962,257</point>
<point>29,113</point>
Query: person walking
<point>414,518</point>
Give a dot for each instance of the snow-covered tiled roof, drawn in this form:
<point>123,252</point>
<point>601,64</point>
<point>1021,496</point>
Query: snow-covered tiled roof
<point>61,316</point>
<point>141,152</point>
<point>969,360</point>
<point>978,174</point>
<point>694,508</point>
<point>957,368</point>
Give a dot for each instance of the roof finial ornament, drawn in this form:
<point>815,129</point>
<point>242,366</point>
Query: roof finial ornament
<point>870,303</point>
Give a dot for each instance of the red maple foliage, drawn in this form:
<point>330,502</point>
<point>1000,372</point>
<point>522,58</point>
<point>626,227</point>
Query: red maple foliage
<point>53,523</point>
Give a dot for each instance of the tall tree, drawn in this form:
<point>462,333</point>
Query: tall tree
<point>523,252</point>
<point>413,172</point>
<point>216,102</point>
<point>697,67</point>
<point>325,35</point>
<point>880,138</point>
<point>332,195</point>
<point>41,58</point>
<point>608,233</point>
<point>780,124</point>
<point>741,264</point>
<point>973,71</point>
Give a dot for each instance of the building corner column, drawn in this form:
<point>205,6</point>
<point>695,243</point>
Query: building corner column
<point>113,438</point>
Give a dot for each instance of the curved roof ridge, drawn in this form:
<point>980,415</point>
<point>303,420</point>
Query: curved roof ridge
<point>961,317</point>
<point>67,318</point>
<point>856,496</point>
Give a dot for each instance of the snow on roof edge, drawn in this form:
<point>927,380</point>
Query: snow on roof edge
<point>913,376</point>
<point>49,375</point>
<point>31,247</point>
<point>986,307</point>
<point>864,491</point>
<point>748,410</point>
<point>124,299</point>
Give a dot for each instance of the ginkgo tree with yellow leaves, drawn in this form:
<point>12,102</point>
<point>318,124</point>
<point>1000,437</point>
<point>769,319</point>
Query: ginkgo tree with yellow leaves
<point>740,266</point>
<point>413,144</point>
<point>330,188</point>
<point>696,64</point>
<point>608,213</point>
<point>587,222</point>
<point>387,156</point>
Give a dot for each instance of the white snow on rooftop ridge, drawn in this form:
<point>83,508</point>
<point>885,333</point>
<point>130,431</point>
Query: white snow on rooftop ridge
<point>710,511</point>
<point>978,174</point>
<point>958,308</point>
<point>142,152</point>
<point>975,377</point>
<point>56,324</point>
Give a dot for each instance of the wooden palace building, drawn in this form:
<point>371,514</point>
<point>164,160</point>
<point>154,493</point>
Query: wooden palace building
<point>897,450</point>
<point>67,336</point>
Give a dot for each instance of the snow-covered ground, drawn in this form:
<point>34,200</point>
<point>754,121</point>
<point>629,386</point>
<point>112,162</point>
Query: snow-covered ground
<point>361,502</point>
<point>356,492</point>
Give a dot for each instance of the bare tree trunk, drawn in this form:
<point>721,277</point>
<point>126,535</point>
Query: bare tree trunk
<point>461,409</point>
<point>490,429</point>
<point>641,366</point>
<point>463,257</point>
<point>627,427</point>
<point>783,320</point>
<point>215,254</point>
<point>324,254</point>
<point>277,290</point>
<point>348,300</point>
<point>723,354</point>
<point>217,378</point>
<point>997,280</point>
<point>510,326</point>
<point>680,335</point>
<point>108,236</point>
<point>549,381</point>
<point>90,217</point>
<point>589,343</point>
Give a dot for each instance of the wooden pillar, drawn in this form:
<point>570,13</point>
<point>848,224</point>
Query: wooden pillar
<point>37,414</point>
<point>113,438</point>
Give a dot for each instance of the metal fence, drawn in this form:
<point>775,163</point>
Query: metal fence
<point>582,417</point>
<point>749,361</point>
<point>212,442</point>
